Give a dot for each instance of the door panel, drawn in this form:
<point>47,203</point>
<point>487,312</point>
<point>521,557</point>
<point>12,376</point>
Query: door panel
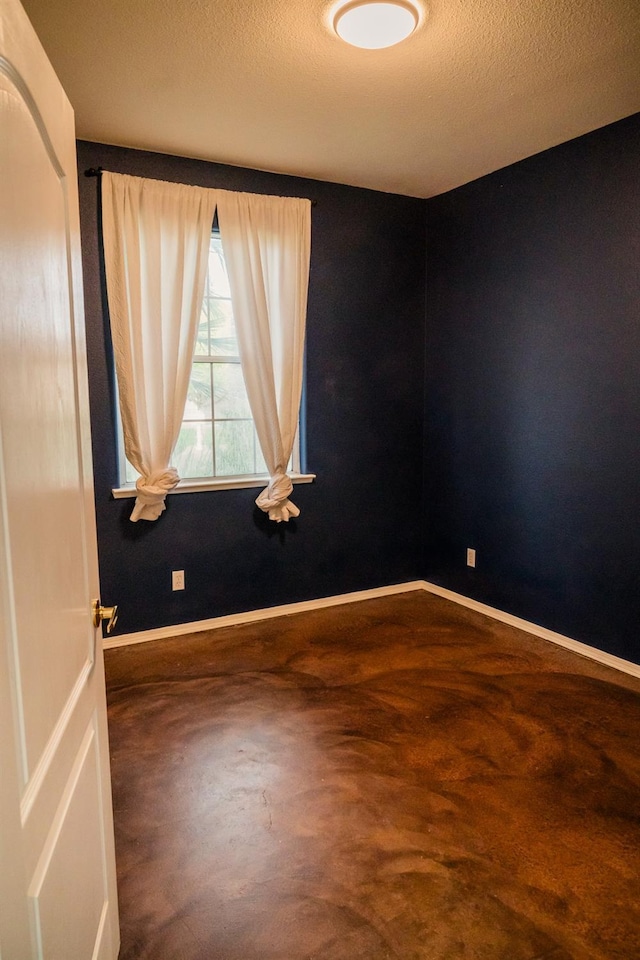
<point>68,896</point>
<point>57,879</point>
<point>42,472</point>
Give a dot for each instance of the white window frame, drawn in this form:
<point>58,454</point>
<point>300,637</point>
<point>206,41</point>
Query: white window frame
<point>200,484</point>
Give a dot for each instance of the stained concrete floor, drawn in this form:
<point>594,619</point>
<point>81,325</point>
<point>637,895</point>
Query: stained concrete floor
<point>398,778</point>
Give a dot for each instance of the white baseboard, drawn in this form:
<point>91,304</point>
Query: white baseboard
<point>592,653</point>
<point>268,613</point>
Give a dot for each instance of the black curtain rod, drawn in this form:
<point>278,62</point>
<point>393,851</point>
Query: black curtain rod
<point>96,171</point>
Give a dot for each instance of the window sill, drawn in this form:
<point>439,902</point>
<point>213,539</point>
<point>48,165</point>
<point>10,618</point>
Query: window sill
<point>221,483</point>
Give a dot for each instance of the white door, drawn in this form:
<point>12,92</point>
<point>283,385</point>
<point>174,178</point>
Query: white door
<point>57,868</point>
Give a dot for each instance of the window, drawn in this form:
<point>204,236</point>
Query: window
<point>218,437</point>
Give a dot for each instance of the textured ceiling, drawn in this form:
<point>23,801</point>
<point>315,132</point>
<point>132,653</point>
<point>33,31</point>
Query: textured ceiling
<point>267,84</point>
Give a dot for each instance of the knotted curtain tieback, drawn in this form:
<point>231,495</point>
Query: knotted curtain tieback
<point>152,492</point>
<point>274,499</point>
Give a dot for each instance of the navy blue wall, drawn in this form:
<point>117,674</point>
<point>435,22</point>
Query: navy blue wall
<point>531,429</point>
<point>532,436</point>
<point>364,420</point>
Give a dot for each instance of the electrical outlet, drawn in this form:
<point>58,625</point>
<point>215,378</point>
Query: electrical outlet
<point>177,579</point>
<point>471,557</point>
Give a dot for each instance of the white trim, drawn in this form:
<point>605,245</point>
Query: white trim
<point>213,483</point>
<point>266,613</point>
<point>583,649</point>
<point>251,616</point>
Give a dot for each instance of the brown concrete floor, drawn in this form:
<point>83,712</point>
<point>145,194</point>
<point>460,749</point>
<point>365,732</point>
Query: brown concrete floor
<point>399,778</point>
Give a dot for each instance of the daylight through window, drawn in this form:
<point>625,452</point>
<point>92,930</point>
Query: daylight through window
<point>218,436</point>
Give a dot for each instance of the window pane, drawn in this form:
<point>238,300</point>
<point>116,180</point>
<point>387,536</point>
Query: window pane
<point>198,405</point>
<point>218,282</point>
<point>261,466</point>
<point>229,391</point>
<point>223,329</point>
<point>193,455</point>
<point>234,447</point>
<point>130,472</point>
<point>202,337</point>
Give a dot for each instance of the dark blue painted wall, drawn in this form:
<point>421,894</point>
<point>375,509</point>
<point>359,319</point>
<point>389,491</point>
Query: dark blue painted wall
<point>532,427</point>
<point>364,420</point>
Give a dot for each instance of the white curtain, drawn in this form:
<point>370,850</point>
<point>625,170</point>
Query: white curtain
<point>267,243</point>
<point>156,242</point>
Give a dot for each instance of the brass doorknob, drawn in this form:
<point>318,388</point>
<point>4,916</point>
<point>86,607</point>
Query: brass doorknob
<point>100,613</point>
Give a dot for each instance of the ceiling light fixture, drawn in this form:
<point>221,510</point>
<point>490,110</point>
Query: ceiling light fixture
<point>373,24</point>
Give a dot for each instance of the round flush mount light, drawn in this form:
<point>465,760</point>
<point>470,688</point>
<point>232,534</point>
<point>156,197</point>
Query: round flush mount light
<point>373,24</point>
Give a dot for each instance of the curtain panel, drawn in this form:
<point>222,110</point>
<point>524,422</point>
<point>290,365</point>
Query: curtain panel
<point>156,244</point>
<point>267,245</point>
<point>156,241</point>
